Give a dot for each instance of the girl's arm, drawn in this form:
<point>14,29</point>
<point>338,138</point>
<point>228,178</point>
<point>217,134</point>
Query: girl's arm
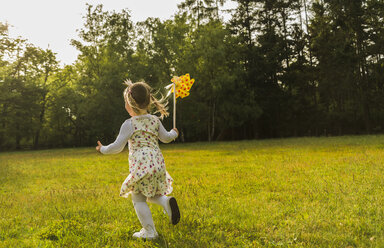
<point>165,136</point>
<point>121,140</point>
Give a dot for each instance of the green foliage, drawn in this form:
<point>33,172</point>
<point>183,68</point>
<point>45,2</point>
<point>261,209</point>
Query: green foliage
<point>24,91</point>
<point>274,69</point>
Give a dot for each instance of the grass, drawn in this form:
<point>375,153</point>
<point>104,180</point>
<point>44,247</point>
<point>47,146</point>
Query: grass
<point>299,192</point>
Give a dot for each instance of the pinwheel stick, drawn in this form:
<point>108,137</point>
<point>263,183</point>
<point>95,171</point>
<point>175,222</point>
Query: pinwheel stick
<point>174,105</point>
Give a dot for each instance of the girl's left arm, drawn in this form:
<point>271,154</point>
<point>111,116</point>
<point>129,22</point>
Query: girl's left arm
<point>121,140</point>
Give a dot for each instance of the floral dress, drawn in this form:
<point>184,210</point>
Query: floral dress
<point>148,175</point>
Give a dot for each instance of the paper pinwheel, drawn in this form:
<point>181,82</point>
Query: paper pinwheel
<point>183,85</point>
<point>180,86</point>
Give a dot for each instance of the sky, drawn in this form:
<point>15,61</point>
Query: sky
<point>53,23</point>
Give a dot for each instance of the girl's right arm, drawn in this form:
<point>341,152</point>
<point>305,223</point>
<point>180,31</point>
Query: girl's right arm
<point>121,140</point>
<point>165,136</point>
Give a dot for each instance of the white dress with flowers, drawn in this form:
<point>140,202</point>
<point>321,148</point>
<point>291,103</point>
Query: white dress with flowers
<point>147,173</point>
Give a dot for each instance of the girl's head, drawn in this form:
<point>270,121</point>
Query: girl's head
<point>139,99</point>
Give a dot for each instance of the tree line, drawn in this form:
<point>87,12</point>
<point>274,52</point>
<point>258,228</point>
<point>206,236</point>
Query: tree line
<point>275,68</point>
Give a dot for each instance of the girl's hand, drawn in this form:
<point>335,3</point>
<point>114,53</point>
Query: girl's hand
<point>177,131</point>
<point>99,145</point>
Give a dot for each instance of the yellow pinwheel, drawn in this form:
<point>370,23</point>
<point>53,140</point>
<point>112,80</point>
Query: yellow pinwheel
<point>180,86</point>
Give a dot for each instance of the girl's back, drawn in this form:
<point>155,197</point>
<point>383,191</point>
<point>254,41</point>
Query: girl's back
<point>146,162</point>
<point>145,132</point>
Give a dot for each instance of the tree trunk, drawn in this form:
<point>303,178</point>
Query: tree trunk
<point>198,13</point>
<point>209,123</point>
<point>306,24</point>
<point>42,113</point>
<point>18,138</point>
<point>213,121</point>
<point>284,17</point>
<point>41,120</point>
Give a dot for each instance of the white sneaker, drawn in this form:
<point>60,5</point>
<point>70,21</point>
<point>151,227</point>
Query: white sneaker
<point>146,234</point>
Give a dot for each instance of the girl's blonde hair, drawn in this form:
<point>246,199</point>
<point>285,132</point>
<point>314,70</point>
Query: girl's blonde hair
<point>139,97</point>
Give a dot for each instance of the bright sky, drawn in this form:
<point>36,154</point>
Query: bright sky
<point>53,23</point>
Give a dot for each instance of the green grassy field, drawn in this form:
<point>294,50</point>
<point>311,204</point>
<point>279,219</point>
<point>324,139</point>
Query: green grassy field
<point>304,192</point>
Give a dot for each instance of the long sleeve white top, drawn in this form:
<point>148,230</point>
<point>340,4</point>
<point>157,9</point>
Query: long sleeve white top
<point>125,134</point>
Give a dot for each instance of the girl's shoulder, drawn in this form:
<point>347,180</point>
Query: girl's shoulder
<point>155,117</point>
<point>147,119</point>
<point>144,117</point>
<point>127,122</point>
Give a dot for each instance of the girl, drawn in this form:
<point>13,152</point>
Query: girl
<point>148,179</point>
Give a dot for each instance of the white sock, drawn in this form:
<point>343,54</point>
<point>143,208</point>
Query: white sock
<point>162,201</point>
<point>145,217</point>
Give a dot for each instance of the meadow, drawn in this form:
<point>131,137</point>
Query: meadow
<point>296,192</point>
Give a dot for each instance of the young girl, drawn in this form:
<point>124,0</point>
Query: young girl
<point>148,179</point>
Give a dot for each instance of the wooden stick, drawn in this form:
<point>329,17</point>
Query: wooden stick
<point>174,105</point>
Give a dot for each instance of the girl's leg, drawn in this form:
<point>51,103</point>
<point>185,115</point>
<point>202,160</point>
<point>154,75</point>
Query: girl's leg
<point>145,217</point>
<point>161,200</point>
<point>170,206</point>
